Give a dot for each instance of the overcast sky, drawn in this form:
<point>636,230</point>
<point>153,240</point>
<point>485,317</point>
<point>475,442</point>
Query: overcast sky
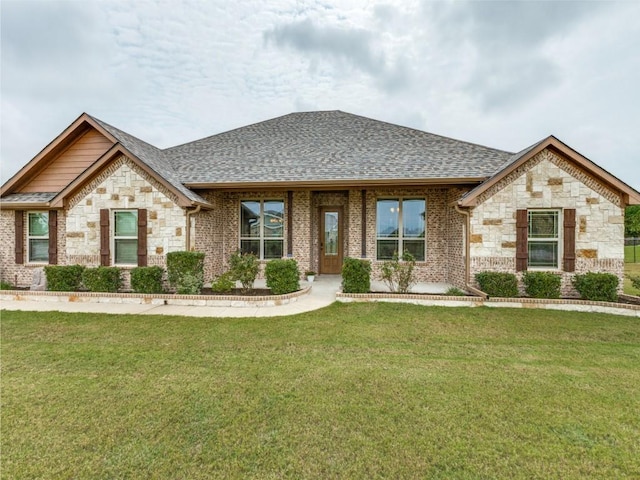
<point>502,74</point>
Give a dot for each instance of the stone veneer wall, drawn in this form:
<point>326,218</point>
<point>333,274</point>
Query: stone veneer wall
<point>549,181</point>
<point>123,186</point>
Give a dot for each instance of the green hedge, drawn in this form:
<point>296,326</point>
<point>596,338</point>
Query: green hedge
<point>356,275</point>
<point>282,276</point>
<point>223,283</point>
<point>63,278</point>
<point>597,286</point>
<point>147,279</point>
<point>498,284</point>
<point>102,279</point>
<point>542,284</point>
<point>185,271</point>
<point>244,268</point>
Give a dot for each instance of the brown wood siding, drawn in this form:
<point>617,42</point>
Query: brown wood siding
<point>569,251</point>
<point>70,163</point>
<point>53,237</point>
<point>522,251</point>
<point>19,237</point>
<point>104,237</point>
<point>142,237</point>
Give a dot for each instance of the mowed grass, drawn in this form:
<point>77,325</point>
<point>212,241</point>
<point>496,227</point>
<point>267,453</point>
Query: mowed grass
<point>632,269</point>
<point>629,253</point>
<point>350,391</point>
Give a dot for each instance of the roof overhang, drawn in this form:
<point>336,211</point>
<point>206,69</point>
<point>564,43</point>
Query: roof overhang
<point>629,195</point>
<point>334,184</point>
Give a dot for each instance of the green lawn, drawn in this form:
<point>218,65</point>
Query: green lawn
<point>350,391</point>
<point>629,255</point>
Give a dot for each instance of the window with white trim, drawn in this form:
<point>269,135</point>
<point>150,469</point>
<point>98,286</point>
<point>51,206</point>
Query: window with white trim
<point>125,237</point>
<point>400,227</point>
<point>543,238</point>
<point>38,237</point>
<point>262,228</point>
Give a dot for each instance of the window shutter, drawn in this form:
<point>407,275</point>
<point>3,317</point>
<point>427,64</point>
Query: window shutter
<point>104,237</point>
<point>522,254</point>
<point>569,251</point>
<point>53,237</point>
<point>19,231</point>
<point>142,237</point>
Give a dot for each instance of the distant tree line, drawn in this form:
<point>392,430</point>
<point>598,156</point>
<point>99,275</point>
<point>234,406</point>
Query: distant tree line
<point>632,221</point>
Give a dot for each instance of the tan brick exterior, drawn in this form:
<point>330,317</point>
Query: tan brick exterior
<point>549,181</point>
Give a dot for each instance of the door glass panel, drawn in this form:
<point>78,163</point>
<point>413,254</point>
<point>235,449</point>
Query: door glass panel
<point>331,233</point>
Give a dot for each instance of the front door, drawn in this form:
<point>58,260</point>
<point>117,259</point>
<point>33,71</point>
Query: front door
<point>331,240</point>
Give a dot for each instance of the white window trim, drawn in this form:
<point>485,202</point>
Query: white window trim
<point>128,237</point>
<point>557,239</point>
<point>29,237</point>
<point>262,237</point>
<point>400,236</point>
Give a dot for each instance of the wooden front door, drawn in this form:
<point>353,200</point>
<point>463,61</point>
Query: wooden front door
<point>331,242</point>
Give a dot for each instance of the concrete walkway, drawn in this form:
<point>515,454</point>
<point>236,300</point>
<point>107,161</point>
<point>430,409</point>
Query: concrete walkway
<point>323,293</point>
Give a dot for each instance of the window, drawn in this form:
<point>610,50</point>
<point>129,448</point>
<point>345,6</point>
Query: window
<point>125,237</point>
<point>543,239</point>
<point>400,227</point>
<point>262,228</point>
<point>38,237</point>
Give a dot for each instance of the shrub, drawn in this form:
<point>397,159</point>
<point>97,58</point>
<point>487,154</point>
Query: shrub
<point>223,283</point>
<point>63,278</point>
<point>283,276</point>
<point>635,281</point>
<point>542,284</point>
<point>147,279</point>
<point>597,286</point>
<point>244,268</point>
<point>356,275</point>
<point>102,279</point>
<point>498,284</point>
<point>185,271</point>
<point>6,286</point>
<point>397,273</point>
<point>455,292</point>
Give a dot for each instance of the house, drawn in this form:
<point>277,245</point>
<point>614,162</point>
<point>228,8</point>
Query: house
<point>317,187</point>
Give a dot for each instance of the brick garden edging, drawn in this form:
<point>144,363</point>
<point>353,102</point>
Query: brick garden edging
<point>155,299</point>
<point>575,305</point>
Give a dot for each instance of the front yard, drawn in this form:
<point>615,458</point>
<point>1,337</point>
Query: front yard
<point>349,391</point>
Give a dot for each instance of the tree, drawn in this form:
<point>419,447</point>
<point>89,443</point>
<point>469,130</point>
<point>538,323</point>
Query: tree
<point>632,221</point>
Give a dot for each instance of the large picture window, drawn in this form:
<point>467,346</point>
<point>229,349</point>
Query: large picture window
<point>125,237</point>
<point>400,227</point>
<point>38,237</point>
<point>262,228</point>
<point>543,239</point>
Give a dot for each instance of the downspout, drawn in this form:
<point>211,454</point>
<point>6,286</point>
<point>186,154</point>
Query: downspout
<point>467,253</point>
<point>188,226</point>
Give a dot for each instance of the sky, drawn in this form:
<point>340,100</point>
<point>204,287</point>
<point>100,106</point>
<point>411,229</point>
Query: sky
<point>501,74</point>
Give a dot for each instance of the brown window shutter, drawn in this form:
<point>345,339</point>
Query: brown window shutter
<point>522,251</point>
<point>569,251</point>
<point>53,237</point>
<point>142,237</point>
<point>19,243</point>
<point>104,237</point>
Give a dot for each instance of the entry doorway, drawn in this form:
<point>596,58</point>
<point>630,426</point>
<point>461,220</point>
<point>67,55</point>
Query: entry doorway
<point>331,240</point>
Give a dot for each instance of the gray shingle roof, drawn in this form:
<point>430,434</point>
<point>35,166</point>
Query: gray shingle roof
<point>329,145</point>
<point>39,197</point>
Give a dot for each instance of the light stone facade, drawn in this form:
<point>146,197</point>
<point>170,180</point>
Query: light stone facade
<point>548,181</point>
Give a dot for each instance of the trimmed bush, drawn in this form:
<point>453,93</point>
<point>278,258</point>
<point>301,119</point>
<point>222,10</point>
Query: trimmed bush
<point>498,284</point>
<point>147,279</point>
<point>63,278</point>
<point>244,268</point>
<point>601,287</point>
<point>397,273</point>
<point>223,283</point>
<point>455,292</point>
<point>283,276</point>
<point>185,271</point>
<point>6,286</point>
<point>356,275</point>
<point>635,281</point>
<point>542,284</point>
<point>102,279</point>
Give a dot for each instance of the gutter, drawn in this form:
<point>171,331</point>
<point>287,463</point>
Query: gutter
<point>187,229</point>
<point>467,253</point>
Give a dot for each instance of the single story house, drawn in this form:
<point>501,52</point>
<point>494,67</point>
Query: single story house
<point>317,187</point>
